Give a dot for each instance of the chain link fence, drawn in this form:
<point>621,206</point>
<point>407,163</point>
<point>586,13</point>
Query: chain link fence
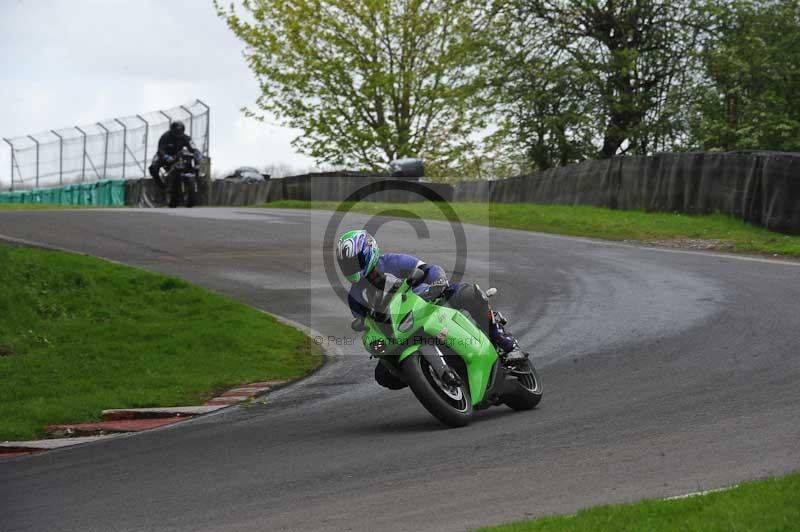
<point>119,148</point>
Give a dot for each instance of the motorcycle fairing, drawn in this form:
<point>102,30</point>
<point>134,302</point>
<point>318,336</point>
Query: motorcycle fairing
<point>447,327</point>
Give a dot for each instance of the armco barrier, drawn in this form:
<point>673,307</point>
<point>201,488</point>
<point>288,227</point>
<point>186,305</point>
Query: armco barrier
<point>109,193</point>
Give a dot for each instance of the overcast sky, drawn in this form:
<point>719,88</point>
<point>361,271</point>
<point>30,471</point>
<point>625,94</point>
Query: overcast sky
<point>74,62</point>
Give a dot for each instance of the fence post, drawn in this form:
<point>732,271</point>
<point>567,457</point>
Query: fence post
<point>37,158</point>
<point>10,145</point>
<point>191,120</point>
<point>83,158</point>
<point>124,143</point>
<point>146,135</point>
<point>169,118</point>
<point>105,154</point>
<point>60,156</point>
<point>208,127</point>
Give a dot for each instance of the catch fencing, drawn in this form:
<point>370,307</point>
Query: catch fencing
<point>118,148</point>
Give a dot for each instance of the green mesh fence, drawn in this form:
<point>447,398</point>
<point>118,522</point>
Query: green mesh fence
<point>110,193</point>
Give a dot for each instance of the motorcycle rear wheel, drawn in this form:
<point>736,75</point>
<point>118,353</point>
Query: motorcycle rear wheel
<point>450,405</point>
<point>527,393</point>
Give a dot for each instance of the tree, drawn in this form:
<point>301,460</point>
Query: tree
<point>366,81</point>
<point>543,117</point>
<point>603,77</point>
<point>750,98</point>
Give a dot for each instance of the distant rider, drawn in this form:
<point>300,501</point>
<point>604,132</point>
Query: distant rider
<point>169,146</point>
<point>362,263</point>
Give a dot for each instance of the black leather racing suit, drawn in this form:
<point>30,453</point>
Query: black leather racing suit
<point>169,145</point>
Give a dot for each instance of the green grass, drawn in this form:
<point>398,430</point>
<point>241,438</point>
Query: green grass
<point>79,335</point>
<point>732,234</point>
<point>767,505</point>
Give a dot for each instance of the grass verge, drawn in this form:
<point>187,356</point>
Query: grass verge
<point>79,335</point>
<point>765,505</point>
<point>716,230</point>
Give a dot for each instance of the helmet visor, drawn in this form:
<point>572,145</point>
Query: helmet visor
<point>352,265</point>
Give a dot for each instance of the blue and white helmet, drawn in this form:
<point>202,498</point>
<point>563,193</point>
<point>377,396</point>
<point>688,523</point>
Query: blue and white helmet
<point>357,254</point>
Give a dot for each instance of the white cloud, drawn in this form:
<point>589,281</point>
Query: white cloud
<point>64,63</point>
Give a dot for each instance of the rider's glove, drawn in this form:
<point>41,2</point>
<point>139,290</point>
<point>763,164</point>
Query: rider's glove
<point>417,277</point>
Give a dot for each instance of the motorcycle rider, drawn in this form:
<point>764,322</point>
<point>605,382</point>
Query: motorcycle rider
<point>169,146</point>
<point>363,264</point>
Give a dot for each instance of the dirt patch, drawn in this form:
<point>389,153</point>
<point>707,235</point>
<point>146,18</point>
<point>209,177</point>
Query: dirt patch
<point>723,246</point>
<point>697,244</point>
<point>6,352</point>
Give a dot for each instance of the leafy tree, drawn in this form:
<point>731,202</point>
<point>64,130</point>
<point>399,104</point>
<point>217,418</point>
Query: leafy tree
<point>544,115</point>
<point>366,81</point>
<point>750,98</point>
<point>586,78</point>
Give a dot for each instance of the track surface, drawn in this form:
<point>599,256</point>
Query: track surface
<point>664,373</point>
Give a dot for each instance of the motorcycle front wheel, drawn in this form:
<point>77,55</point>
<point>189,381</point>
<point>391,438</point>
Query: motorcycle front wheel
<point>175,192</point>
<point>191,192</point>
<point>449,404</point>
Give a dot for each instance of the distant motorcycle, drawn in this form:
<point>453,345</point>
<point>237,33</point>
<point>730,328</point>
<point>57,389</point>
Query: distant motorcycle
<point>181,180</point>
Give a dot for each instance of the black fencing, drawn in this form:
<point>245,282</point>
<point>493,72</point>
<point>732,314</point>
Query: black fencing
<point>311,187</point>
<point>762,188</point>
<point>327,187</point>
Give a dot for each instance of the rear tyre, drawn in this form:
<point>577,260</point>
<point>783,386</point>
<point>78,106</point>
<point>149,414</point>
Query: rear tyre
<point>449,404</point>
<point>527,393</point>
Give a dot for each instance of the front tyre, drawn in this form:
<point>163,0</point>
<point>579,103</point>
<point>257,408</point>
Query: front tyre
<point>175,192</point>
<point>449,404</point>
<point>192,192</point>
<point>527,391</point>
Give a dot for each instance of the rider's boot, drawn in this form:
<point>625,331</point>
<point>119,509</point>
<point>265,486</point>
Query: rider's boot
<point>504,340</point>
<point>387,379</point>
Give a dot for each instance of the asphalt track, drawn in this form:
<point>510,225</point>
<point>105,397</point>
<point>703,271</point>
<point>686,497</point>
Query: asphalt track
<point>664,373</point>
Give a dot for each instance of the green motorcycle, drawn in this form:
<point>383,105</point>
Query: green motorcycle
<point>442,355</point>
